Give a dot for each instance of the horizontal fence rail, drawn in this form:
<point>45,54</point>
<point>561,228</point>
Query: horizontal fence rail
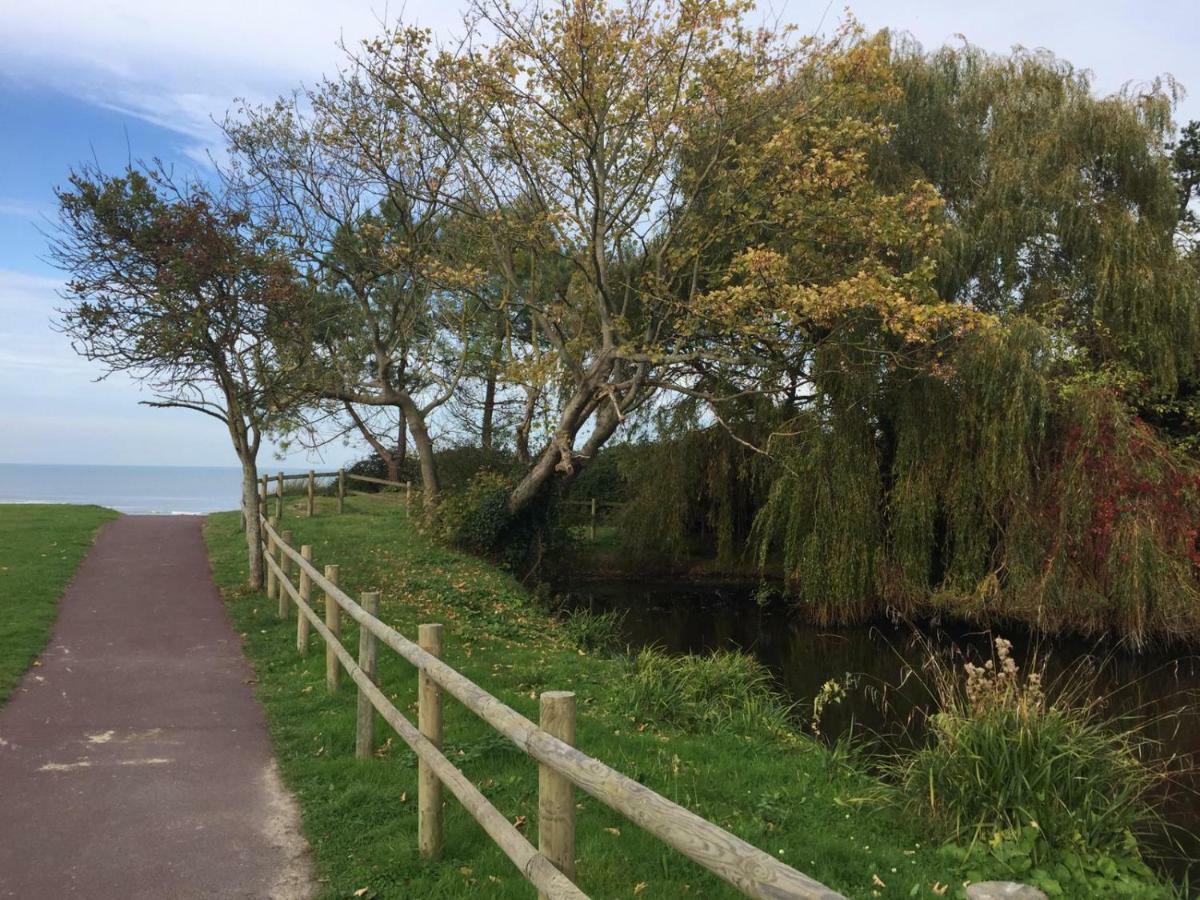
<point>369,479</point>
<point>280,480</point>
<point>752,871</point>
<point>593,508</point>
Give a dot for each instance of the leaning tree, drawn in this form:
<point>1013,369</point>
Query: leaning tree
<point>179,286</point>
<point>608,136</point>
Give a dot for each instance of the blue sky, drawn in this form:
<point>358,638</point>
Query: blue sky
<point>121,79</point>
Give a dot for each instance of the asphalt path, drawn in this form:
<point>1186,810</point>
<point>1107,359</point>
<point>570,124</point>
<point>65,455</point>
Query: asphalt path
<point>134,757</point>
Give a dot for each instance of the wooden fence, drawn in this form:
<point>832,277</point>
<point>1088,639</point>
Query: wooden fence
<point>280,479</point>
<point>591,509</point>
<point>562,767</point>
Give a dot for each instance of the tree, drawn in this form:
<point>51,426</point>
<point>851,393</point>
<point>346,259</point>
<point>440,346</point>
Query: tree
<point>1022,443</point>
<point>180,287</point>
<point>352,184</point>
<point>593,133</point>
<point>1186,159</point>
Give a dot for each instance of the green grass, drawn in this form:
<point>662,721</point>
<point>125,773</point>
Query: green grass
<point>773,787</point>
<point>722,691</point>
<point>40,548</point>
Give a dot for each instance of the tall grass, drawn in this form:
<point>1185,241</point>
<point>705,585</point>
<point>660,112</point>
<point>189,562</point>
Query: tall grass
<point>1035,775</point>
<point>593,631</point>
<point>724,691</point>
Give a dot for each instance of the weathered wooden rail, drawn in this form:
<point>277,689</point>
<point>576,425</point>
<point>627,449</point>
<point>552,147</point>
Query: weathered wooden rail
<point>562,767</point>
<point>310,489</point>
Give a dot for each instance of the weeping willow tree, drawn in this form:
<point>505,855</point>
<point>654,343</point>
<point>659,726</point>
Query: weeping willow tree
<point>1061,205</point>
<point>696,492</point>
<point>1036,463</point>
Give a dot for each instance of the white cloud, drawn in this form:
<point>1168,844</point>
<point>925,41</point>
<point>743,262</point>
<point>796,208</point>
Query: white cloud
<point>181,64</point>
<point>1119,42</point>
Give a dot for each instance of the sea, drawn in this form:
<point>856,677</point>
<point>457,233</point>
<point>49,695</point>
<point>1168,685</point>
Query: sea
<point>136,490</point>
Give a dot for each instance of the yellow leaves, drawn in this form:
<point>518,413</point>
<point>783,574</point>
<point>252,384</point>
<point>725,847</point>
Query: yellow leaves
<point>763,300</point>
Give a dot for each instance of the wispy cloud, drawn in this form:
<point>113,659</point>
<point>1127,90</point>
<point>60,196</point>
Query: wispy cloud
<point>21,209</point>
<point>26,287</point>
<point>180,65</point>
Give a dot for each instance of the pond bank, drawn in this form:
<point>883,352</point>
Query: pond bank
<point>881,664</point>
<point>782,792</point>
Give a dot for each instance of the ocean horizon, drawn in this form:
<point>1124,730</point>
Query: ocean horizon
<point>134,490</point>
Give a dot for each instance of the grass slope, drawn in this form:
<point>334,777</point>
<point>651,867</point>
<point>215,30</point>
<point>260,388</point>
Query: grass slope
<point>781,792</point>
<point>40,548</point>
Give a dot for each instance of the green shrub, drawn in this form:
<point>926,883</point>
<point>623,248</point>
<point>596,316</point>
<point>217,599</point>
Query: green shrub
<point>374,467</point>
<point>1037,778</point>
<point>603,477</point>
<point>723,691</point>
<point>458,466</point>
<point>475,518</point>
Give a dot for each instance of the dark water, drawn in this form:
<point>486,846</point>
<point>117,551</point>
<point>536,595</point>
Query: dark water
<point>1161,689</point>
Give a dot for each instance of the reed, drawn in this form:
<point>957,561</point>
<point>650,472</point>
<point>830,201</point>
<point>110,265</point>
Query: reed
<point>1034,773</point>
<point>594,632</point>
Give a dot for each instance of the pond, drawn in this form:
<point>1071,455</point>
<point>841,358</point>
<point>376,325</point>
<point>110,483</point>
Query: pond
<point>682,617</point>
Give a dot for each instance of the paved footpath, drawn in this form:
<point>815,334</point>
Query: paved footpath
<point>134,761</point>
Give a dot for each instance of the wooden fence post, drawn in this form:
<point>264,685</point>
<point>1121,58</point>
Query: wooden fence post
<point>269,550</point>
<point>341,490</point>
<point>302,623</point>
<point>593,529</point>
<point>333,621</point>
<point>429,720</point>
<point>312,478</point>
<point>556,795</point>
<point>364,735</point>
<point>262,496</point>
<point>285,563</point>
<point>279,496</point>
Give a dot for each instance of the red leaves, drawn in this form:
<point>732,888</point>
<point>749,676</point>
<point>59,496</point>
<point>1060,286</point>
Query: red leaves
<point>1116,471</point>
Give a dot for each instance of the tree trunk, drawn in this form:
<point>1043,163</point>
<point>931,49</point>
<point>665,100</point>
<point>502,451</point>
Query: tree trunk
<point>559,451</point>
<point>537,477</point>
<point>522,435</point>
<point>402,438</point>
<point>605,426</point>
<point>392,459</point>
<point>250,509</point>
<point>489,409</point>
<point>424,446</point>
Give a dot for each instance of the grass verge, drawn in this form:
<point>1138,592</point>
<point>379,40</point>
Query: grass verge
<point>770,785</point>
<point>41,545</point>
